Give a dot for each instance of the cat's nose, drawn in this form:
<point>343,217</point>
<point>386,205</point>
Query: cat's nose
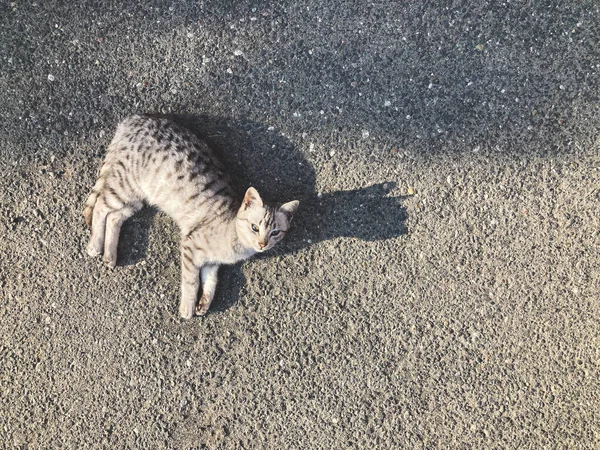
<point>262,244</point>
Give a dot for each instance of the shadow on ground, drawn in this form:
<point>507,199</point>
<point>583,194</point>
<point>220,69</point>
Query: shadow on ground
<point>270,163</point>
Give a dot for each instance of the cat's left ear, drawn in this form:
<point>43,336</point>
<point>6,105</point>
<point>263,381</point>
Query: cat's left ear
<point>289,209</point>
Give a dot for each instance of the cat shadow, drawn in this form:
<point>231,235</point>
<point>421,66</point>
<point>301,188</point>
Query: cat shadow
<point>134,237</point>
<point>256,156</point>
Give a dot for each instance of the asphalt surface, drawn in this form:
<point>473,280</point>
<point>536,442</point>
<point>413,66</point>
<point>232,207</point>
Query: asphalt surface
<point>440,289</point>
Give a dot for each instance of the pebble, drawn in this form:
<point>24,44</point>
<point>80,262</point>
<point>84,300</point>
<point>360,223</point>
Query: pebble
<point>238,52</point>
<point>387,103</point>
<point>229,71</point>
<point>331,153</point>
<point>50,77</point>
<point>365,134</point>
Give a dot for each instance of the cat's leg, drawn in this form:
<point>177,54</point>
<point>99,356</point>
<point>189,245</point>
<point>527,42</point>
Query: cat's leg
<point>114,222</point>
<point>190,281</point>
<point>209,285</point>
<point>96,242</point>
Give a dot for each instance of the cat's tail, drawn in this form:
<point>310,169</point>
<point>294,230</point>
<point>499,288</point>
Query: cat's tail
<point>88,212</point>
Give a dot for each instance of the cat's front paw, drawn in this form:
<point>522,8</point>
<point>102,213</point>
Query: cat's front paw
<point>203,305</point>
<point>186,311</point>
<point>93,250</point>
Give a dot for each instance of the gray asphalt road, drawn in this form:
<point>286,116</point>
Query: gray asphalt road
<point>440,289</point>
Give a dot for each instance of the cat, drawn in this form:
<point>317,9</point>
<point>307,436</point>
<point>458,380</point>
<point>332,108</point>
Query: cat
<point>152,159</point>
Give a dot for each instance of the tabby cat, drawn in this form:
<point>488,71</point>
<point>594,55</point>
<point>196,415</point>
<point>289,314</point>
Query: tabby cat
<point>154,160</point>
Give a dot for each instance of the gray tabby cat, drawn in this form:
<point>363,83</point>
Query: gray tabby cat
<point>152,159</point>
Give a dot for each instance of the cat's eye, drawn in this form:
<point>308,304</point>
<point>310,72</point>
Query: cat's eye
<point>254,228</point>
<point>275,232</point>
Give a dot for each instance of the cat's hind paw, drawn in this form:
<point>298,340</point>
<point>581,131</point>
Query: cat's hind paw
<point>110,261</point>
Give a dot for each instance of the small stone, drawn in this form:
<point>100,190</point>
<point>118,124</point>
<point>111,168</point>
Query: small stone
<point>365,134</point>
<point>411,191</point>
<point>387,103</point>
<point>238,52</point>
<point>50,77</point>
<point>332,153</point>
<point>311,147</point>
<point>479,47</point>
<point>229,71</point>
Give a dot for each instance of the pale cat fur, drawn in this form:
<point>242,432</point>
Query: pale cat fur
<point>152,159</point>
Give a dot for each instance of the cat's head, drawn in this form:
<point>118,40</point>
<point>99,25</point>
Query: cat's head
<point>262,226</point>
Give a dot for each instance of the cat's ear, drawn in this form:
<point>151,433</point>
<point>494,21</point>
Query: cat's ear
<point>252,199</point>
<point>289,208</point>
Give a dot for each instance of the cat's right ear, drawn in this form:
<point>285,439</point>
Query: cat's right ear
<point>251,199</point>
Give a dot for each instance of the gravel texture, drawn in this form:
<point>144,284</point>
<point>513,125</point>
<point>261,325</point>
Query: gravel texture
<point>440,289</point>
